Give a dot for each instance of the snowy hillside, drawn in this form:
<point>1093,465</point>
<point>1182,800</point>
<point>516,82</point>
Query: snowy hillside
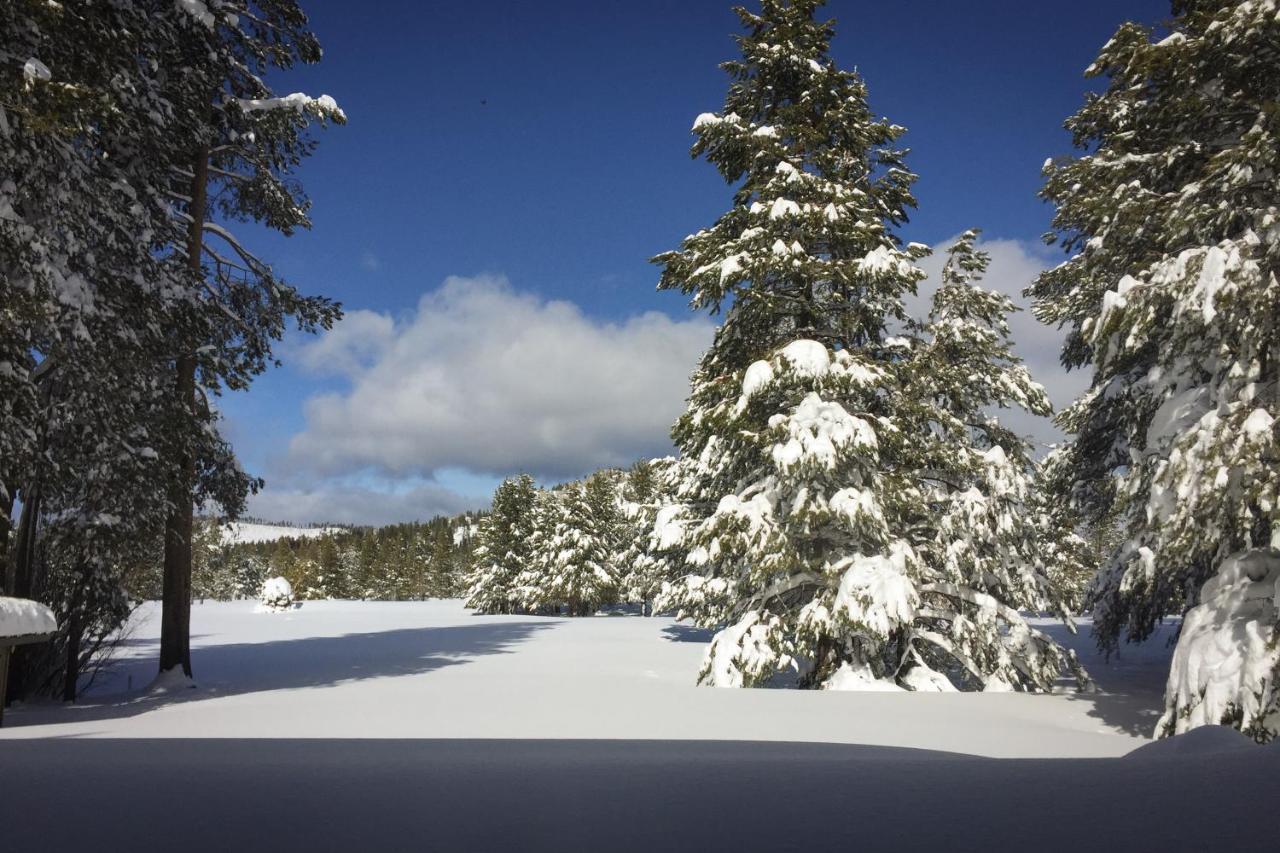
<point>240,532</point>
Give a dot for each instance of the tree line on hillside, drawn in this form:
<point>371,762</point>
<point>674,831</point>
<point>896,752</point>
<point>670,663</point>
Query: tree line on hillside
<point>398,562</point>
<point>133,136</point>
<point>846,511</point>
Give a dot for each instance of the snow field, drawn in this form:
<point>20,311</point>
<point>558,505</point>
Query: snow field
<point>345,669</point>
<point>248,532</point>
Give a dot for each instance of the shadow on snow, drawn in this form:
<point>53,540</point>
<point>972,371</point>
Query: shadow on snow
<point>559,795</point>
<point>239,668</point>
<point>1130,695</point>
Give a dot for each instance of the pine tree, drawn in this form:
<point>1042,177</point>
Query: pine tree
<point>987,560</point>
<point>650,554</point>
<point>532,585</point>
<point>790,490</point>
<point>88,298</point>
<point>1170,298</point>
<point>830,469</point>
<point>576,563</point>
<point>503,550</point>
<point>1070,559</point>
<point>234,161</point>
<point>329,579</point>
<point>250,574</point>
<point>441,582</point>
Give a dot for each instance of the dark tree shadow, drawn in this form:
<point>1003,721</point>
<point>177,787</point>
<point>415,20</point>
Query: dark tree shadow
<point>620,796</point>
<point>1130,683</point>
<point>234,669</point>
<point>678,633</point>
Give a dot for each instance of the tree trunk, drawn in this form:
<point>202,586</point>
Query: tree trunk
<point>75,632</point>
<point>6,527</point>
<point>24,556</point>
<point>175,619</point>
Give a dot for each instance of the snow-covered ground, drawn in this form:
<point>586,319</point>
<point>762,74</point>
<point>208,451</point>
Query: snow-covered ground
<point>338,669</point>
<point>237,532</point>
<point>409,726</point>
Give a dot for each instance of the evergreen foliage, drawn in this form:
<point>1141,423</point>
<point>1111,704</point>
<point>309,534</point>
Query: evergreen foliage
<point>1170,299</point>
<point>829,468</point>
<point>503,549</point>
<point>576,562</point>
<point>646,560</point>
<point>398,562</point>
<point>995,550</point>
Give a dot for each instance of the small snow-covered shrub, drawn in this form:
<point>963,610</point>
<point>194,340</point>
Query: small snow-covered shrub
<point>277,594</point>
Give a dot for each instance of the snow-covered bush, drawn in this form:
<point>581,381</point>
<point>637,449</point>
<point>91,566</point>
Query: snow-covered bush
<point>277,594</point>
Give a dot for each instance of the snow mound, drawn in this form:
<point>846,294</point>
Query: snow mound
<point>20,617</point>
<point>847,677</point>
<point>172,680</point>
<point>277,595</point>
<point>1205,740</point>
<point>1226,655</point>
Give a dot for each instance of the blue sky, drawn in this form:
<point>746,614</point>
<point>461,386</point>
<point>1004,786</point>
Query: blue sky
<point>534,156</point>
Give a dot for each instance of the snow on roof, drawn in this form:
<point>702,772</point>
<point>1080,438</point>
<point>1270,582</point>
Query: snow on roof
<point>20,617</point>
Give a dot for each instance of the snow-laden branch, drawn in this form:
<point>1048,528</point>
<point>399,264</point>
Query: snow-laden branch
<point>786,585</point>
<point>321,107</point>
<point>248,257</point>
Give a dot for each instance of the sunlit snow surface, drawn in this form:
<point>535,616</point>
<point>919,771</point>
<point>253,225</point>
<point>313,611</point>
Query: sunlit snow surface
<point>21,616</point>
<point>338,669</point>
<point>245,532</point>
<point>381,726</point>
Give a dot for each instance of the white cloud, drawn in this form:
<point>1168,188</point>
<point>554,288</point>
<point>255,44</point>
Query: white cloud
<point>1014,265</point>
<point>350,347</point>
<point>357,505</point>
<point>485,378</point>
<point>370,261</point>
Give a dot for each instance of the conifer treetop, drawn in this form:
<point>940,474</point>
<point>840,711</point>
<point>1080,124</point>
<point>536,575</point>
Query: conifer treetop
<point>820,185</point>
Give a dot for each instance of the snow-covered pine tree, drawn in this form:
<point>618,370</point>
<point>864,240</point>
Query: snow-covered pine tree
<point>644,561</point>
<point>531,588</point>
<point>235,149</point>
<point>793,488</point>
<point>987,560</point>
<point>576,563</point>
<point>88,302</point>
<point>1171,298</point>
<point>441,581</point>
<point>212,573</point>
<point>503,550</point>
<point>1070,559</point>
<point>250,574</point>
<point>847,508</point>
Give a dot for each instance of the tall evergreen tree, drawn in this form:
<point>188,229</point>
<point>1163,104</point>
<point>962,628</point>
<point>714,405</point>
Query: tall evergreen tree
<point>987,560</point>
<point>89,296</point>
<point>650,555</point>
<point>236,162</point>
<point>790,455</point>
<point>531,587</point>
<point>503,550</point>
<point>1171,299</point>
<point>826,463</point>
<point>575,563</point>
